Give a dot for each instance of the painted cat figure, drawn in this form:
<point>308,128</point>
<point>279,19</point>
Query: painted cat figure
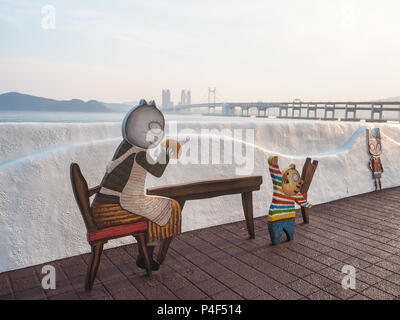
<point>375,163</point>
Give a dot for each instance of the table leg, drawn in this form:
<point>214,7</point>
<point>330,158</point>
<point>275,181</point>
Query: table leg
<point>247,202</point>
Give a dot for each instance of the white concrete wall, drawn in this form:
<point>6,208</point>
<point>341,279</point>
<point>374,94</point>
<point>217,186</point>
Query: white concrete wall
<point>40,221</point>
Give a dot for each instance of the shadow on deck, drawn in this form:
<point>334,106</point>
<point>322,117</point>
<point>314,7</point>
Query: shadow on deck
<point>220,263</point>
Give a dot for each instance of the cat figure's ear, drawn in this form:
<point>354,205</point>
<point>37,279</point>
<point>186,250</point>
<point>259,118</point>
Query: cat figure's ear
<point>378,134</point>
<point>370,137</point>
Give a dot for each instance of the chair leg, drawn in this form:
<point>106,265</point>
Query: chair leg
<point>141,239</point>
<point>162,253</point>
<point>304,213</point>
<point>97,250</point>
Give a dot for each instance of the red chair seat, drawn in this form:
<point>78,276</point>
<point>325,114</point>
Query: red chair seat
<point>117,231</point>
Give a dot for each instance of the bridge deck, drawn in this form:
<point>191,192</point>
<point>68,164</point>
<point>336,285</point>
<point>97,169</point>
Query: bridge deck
<point>220,263</point>
<point>302,110</point>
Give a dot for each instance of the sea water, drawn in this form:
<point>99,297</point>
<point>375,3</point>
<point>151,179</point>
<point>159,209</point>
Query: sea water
<point>86,117</point>
<point>90,117</point>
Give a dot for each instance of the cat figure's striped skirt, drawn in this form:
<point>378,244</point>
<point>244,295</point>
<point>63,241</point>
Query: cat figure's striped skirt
<point>110,214</point>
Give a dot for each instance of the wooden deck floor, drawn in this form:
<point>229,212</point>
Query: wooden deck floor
<point>220,263</point>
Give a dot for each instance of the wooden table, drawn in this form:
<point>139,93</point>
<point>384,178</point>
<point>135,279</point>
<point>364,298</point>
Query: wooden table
<point>214,188</point>
<point>210,189</point>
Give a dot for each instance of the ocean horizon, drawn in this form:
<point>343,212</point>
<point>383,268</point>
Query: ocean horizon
<point>92,117</point>
<point>59,116</point>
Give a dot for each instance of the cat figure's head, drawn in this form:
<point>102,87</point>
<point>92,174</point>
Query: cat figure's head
<point>374,144</point>
<point>143,126</point>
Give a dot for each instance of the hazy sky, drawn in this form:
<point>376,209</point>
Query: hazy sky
<point>120,50</point>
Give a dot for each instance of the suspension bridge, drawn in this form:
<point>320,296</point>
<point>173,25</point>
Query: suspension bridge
<point>378,111</point>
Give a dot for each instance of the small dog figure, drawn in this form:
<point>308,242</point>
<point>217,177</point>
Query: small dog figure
<point>375,164</point>
<point>287,185</point>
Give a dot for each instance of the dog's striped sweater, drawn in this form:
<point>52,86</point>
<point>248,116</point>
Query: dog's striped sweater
<point>282,206</point>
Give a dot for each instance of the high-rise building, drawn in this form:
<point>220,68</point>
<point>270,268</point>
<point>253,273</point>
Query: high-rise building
<point>166,98</point>
<point>188,97</point>
<point>163,101</point>
<point>169,104</point>
<point>183,97</point>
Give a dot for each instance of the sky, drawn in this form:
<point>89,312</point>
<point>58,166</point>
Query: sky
<point>120,50</point>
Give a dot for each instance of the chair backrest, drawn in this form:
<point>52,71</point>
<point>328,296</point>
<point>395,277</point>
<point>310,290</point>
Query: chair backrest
<point>81,193</point>
<point>308,174</point>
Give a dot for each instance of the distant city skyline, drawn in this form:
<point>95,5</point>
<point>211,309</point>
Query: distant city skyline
<point>116,51</point>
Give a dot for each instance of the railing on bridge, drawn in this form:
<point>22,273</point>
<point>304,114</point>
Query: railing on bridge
<point>372,110</point>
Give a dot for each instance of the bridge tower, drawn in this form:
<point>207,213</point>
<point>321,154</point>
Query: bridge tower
<point>211,92</point>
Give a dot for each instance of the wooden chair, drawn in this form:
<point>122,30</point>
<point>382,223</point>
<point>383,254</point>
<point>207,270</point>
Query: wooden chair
<point>98,237</point>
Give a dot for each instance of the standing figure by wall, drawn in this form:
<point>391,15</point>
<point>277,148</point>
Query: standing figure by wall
<point>287,185</point>
<point>121,199</point>
<point>375,164</point>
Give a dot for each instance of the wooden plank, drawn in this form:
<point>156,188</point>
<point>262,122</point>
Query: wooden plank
<point>193,195</point>
<point>307,176</point>
<point>208,188</point>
